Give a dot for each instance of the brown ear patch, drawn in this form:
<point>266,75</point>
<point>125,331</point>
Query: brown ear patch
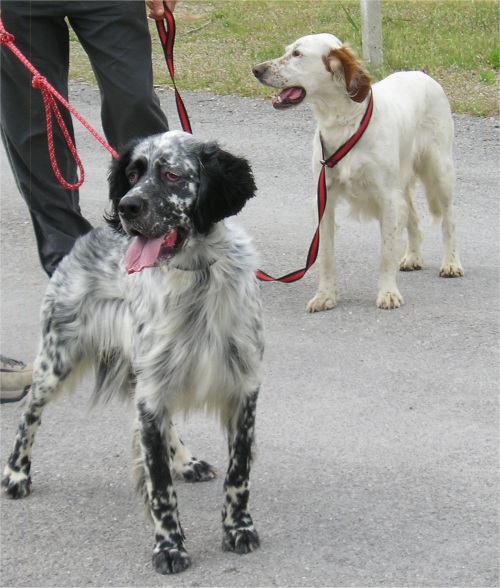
<point>357,79</point>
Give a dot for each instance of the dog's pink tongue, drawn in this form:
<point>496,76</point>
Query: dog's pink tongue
<point>286,95</point>
<point>144,252</point>
<point>291,93</point>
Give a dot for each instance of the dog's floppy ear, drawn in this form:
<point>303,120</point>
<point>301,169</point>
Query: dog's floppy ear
<point>226,183</point>
<point>118,185</point>
<point>357,79</point>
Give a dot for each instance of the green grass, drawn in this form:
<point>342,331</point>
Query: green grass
<point>218,41</point>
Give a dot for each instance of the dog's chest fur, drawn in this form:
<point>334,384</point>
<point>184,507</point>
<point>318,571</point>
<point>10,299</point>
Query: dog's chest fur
<point>189,336</point>
<point>344,183</point>
<point>197,341</point>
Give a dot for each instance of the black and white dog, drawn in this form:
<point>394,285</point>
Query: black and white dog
<point>185,332</point>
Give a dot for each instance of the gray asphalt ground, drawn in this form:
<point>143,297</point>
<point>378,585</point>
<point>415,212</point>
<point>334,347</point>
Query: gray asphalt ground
<point>377,431</point>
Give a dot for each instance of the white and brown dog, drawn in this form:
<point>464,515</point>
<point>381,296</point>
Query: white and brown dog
<point>410,135</point>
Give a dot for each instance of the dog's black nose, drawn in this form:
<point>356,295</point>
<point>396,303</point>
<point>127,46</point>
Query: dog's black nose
<point>258,70</point>
<point>131,206</point>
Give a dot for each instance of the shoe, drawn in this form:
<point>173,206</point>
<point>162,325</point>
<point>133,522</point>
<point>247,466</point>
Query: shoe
<point>13,395</point>
<point>15,379</point>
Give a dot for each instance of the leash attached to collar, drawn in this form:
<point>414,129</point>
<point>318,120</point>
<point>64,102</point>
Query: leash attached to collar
<point>341,152</point>
<point>167,38</point>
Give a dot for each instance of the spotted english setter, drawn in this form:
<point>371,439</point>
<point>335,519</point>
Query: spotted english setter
<point>165,305</point>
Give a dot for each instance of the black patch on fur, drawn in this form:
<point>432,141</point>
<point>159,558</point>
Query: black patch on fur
<point>118,185</point>
<point>156,458</point>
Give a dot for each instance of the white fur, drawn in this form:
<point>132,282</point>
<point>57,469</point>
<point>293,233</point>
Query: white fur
<point>410,135</point>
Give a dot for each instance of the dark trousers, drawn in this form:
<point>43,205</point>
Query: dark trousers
<point>115,36</point>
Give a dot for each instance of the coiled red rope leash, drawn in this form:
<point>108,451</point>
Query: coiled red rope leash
<point>49,94</point>
<point>341,152</point>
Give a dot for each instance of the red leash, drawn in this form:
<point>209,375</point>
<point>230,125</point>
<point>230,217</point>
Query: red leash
<point>167,38</point>
<point>51,108</point>
<point>322,197</point>
<point>49,94</point>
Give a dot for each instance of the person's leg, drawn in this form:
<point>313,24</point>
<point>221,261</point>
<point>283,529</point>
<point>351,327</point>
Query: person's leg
<point>42,35</point>
<point>116,37</point>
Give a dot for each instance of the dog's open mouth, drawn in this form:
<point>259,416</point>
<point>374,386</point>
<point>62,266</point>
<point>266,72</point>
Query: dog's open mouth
<point>289,97</point>
<point>145,252</point>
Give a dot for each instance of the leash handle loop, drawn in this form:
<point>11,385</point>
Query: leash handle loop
<point>51,108</point>
<point>322,194</point>
<point>167,39</point>
<point>49,93</point>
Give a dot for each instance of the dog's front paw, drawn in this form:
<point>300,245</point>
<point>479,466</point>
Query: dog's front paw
<point>451,270</point>
<point>389,300</point>
<point>16,484</point>
<point>321,301</point>
<point>242,540</point>
<point>170,561</point>
<point>195,471</point>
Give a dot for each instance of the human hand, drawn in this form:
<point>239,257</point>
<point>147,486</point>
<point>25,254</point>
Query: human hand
<point>156,10</point>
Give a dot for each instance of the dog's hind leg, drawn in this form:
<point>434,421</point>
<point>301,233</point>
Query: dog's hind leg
<point>184,464</point>
<point>240,534</point>
<point>438,176</point>
<point>155,482</point>
<point>412,259</point>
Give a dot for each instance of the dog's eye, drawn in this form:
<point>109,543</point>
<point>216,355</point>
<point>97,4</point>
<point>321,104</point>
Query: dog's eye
<point>169,176</point>
<point>297,53</point>
<point>133,177</point>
